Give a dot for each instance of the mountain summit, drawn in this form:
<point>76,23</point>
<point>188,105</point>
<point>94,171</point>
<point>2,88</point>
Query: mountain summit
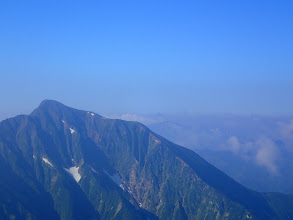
<point>63,163</point>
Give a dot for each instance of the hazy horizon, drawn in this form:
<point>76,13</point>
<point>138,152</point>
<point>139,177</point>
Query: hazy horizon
<point>149,117</point>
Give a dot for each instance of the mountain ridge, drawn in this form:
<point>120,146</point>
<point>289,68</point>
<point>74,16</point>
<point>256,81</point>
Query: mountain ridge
<point>151,171</point>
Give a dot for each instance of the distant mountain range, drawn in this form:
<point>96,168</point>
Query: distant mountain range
<point>63,163</point>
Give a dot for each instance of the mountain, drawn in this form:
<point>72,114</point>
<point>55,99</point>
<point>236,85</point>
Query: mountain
<point>63,163</point>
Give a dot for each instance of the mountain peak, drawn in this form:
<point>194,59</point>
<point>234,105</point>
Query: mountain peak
<point>53,108</point>
<point>51,104</point>
<point>48,102</point>
<point>57,110</point>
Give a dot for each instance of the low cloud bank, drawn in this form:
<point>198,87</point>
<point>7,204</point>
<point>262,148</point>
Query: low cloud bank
<point>262,151</point>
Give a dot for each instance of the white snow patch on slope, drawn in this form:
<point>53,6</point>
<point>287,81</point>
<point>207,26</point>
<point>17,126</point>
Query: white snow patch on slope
<point>34,156</point>
<point>116,178</point>
<point>74,172</point>
<point>156,141</point>
<point>92,114</point>
<point>47,161</point>
<point>63,121</point>
<point>72,130</point>
<point>94,170</point>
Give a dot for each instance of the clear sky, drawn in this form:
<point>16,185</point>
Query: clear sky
<point>148,56</point>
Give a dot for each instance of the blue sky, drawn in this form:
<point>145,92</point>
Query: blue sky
<point>148,56</point>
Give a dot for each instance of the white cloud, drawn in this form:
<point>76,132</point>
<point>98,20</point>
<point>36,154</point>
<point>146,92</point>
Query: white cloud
<point>262,151</point>
<point>144,119</point>
<point>286,129</point>
<point>132,117</point>
<point>267,154</point>
<point>233,144</point>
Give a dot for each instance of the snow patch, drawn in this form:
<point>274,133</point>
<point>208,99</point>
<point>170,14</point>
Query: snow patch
<point>34,156</point>
<point>116,178</point>
<point>63,121</point>
<point>47,161</point>
<point>74,172</point>
<point>72,130</point>
<point>247,216</point>
<point>157,141</point>
<point>92,114</point>
<point>94,170</point>
<point>140,205</point>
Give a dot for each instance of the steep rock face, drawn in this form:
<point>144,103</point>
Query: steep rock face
<point>73,164</point>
